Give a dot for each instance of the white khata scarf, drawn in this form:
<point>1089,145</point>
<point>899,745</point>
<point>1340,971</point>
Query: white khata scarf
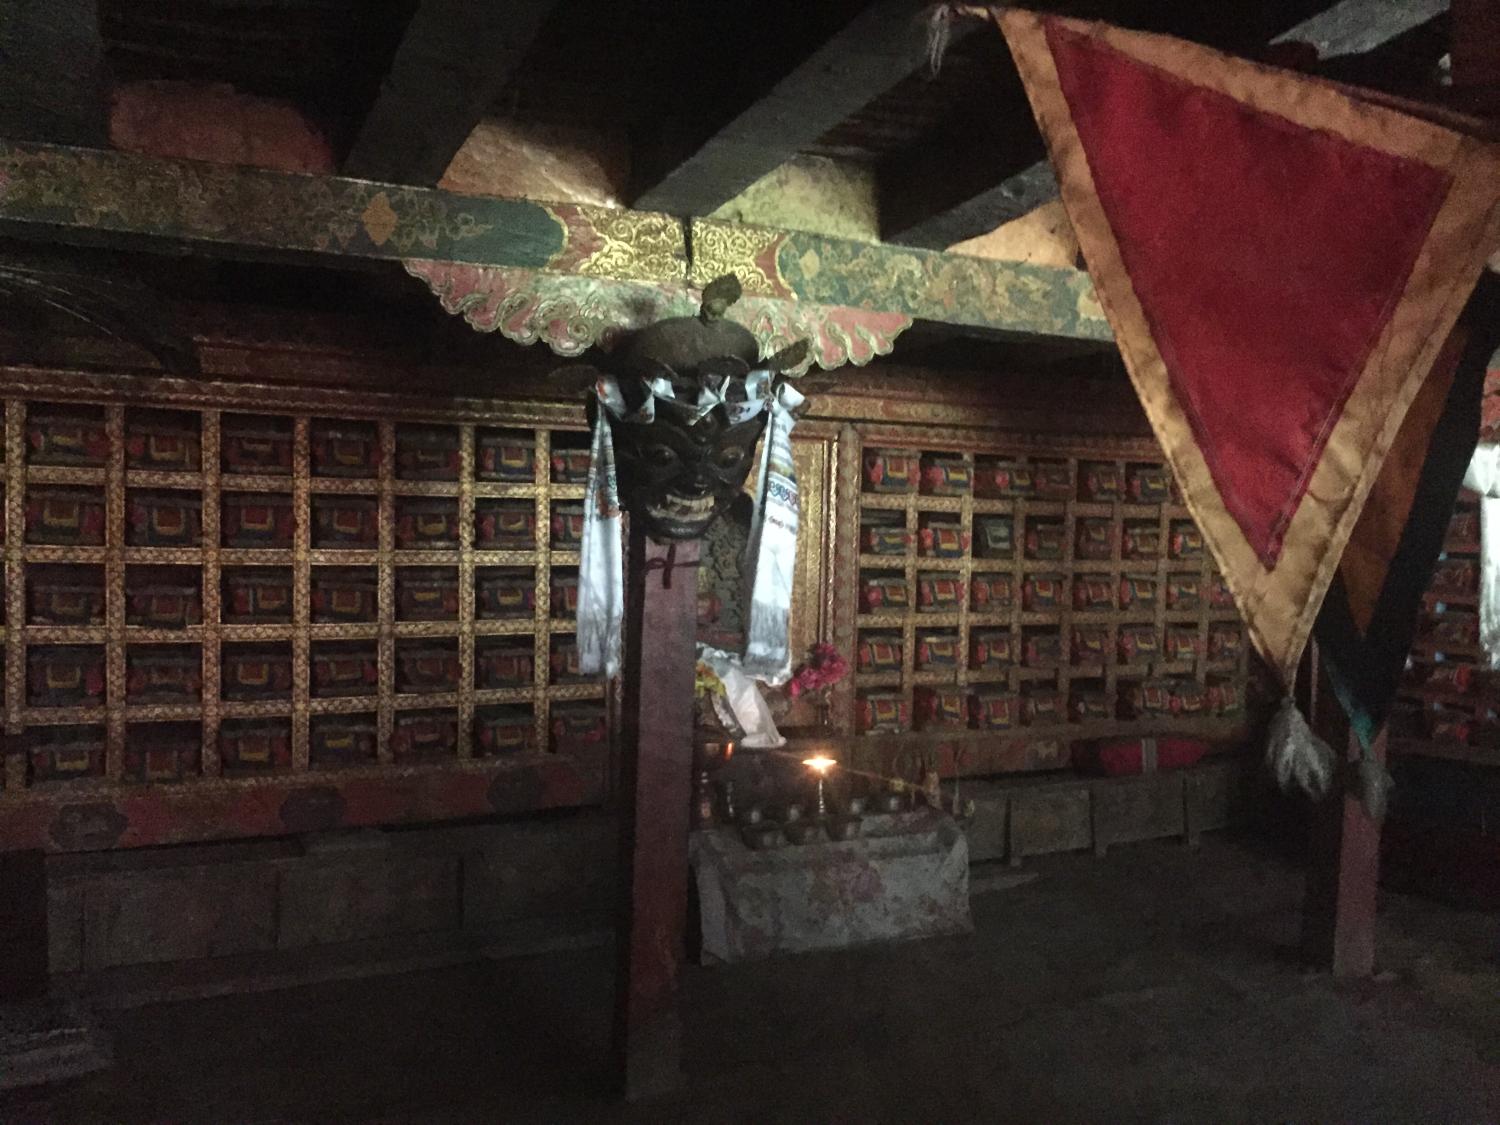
<point>773,531</point>
<point>1484,478</point>
<point>771,555</point>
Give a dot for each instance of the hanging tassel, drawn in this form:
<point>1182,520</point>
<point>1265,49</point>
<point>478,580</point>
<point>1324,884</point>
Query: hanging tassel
<point>1373,783</point>
<point>940,19</point>
<point>939,34</point>
<point>1297,757</point>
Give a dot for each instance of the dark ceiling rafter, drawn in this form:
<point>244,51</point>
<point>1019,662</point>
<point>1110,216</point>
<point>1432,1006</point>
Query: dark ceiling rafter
<point>873,51</point>
<point>454,59</point>
<point>54,80</point>
<point>928,202</point>
<point>98,291</point>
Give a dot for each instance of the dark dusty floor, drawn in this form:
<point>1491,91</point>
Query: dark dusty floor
<point>1147,986</point>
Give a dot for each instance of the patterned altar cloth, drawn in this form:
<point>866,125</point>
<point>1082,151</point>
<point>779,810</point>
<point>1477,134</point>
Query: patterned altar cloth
<point>906,877</point>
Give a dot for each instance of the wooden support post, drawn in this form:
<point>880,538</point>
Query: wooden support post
<point>23,925</point>
<point>1338,910</point>
<point>656,791</point>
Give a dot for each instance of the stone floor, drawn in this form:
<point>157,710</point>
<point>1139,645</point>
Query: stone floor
<point>1153,985</point>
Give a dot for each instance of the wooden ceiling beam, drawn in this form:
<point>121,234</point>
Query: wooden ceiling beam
<point>928,199</point>
<point>876,49</point>
<point>54,80</point>
<point>453,60</point>
<point>91,197</point>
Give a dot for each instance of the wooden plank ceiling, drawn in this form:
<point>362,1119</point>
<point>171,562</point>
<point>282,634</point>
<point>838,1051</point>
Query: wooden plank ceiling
<point>713,95</point>
<point>701,99</point>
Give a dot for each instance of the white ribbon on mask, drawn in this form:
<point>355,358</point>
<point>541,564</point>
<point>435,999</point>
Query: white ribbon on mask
<point>1483,477</point>
<point>771,555</point>
<point>601,568</point>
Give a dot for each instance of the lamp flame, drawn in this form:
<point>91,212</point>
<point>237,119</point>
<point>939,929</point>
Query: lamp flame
<point>820,763</point>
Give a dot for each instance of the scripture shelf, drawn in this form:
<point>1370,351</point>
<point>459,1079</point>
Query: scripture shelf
<point>1448,705</point>
<point>993,595</point>
<point>149,548</point>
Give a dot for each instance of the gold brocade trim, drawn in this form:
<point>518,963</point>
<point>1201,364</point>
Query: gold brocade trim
<point>1278,604</point>
<point>748,252</point>
<point>301,597</point>
<point>212,592</point>
<point>114,586</point>
<point>616,243</point>
<point>15,582</point>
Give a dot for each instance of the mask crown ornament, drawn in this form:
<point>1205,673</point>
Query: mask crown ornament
<point>690,408</point>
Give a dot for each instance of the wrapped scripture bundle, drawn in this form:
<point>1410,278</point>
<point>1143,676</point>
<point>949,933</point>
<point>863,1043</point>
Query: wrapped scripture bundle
<point>879,592</point>
<point>991,649</point>
<point>990,592</point>
<point>427,453</point>
<point>936,651</point>
<point>345,522</point>
<point>993,709</point>
<point>939,592</point>
<point>345,449</point>
<point>259,446</point>
<point>1101,481</point>
<point>261,520</point>
<point>947,476</point>
<point>426,523</point>
<point>938,707</point>
<point>883,711</point>
<point>65,517</point>
<point>1094,540</point>
<point>504,663</point>
<point>879,654</point>
<point>256,672</point>
<point>55,437</point>
<point>505,457</point>
<point>891,470</point>
<point>1001,479</point>
<point>1148,484</point>
<point>943,540</point>
<point>1043,591</point>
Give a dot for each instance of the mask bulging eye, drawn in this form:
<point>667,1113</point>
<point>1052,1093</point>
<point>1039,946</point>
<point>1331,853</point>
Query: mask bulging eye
<point>660,456</point>
<point>729,456</point>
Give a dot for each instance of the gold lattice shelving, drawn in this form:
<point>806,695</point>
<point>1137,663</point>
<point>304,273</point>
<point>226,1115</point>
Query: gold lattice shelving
<point>120,560</point>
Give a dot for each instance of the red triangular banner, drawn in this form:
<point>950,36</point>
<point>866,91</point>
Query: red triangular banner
<point>1301,243</point>
<point>1280,262</point>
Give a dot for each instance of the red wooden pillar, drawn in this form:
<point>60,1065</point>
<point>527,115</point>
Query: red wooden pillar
<point>1343,870</point>
<point>23,925</point>
<point>1474,37</point>
<point>656,792</point>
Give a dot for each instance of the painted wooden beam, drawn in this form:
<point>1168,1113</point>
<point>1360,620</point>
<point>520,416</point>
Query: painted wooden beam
<point>53,76</point>
<point>874,51</point>
<point>178,206</point>
<point>931,199</point>
<point>127,201</point>
<point>454,59</point>
<point>923,284</point>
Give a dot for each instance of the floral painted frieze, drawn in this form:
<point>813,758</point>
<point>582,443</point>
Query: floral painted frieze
<point>571,314</point>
